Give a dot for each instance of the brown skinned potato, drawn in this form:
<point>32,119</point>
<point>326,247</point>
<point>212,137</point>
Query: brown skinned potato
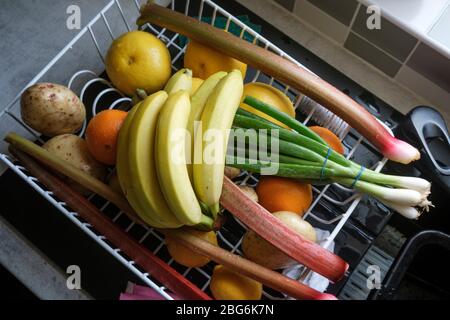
<point>73,149</point>
<point>250,192</point>
<point>52,109</point>
<point>231,172</point>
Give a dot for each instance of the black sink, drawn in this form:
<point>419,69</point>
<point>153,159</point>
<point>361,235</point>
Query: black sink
<point>420,271</point>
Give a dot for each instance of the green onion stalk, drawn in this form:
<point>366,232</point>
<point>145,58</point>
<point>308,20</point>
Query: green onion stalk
<point>306,156</point>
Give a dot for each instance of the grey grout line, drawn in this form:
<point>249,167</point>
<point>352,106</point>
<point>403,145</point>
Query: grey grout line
<point>312,27</point>
<point>374,45</point>
<point>351,31</point>
<point>352,22</point>
<point>404,64</point>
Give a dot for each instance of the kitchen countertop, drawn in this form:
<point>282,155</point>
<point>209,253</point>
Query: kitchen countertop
<point>32,268</point>
<point>26,48</point>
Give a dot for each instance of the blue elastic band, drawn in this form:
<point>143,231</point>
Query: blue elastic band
<point>325,163</point>
<point>358,176</point>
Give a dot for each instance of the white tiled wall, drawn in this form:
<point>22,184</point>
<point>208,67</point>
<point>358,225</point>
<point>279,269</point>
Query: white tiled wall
<point>330,27</point>
<point>418,15</point>
<point>396,52</point>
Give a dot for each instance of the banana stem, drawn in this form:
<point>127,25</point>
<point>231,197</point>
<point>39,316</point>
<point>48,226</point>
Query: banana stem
<point>138,96</point>
<point>215,210</point>
<point>209,217</point>
<point>206,223</point>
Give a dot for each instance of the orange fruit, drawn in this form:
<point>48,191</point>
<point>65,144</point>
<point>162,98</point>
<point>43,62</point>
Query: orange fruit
<point>333,141</point>
<point>284,194</point>
<point>138,60</point>
<point>270,95</point>
<point>102,133</point>
<point>187,257</point>
<point>229,285</point>
<point>205,61</point>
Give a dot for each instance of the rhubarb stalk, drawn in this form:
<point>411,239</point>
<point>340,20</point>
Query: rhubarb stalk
<point>72,172</point>
<point>143,257</point>
<point>274,231</point>
<point>286,71</point>
<point>247,268</point>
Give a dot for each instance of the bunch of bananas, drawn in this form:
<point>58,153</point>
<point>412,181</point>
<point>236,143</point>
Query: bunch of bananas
<point>161,150</point>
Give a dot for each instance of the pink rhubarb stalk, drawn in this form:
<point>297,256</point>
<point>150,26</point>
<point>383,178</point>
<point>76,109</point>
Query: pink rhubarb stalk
<point>142,256</point>
<point>269,278</point>
<point>273,230</point>
<point>286,71</point>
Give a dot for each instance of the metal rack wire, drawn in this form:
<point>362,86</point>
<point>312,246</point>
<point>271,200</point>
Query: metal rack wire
<point>229,239</point>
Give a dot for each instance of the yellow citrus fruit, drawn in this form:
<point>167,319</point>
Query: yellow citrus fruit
<point>184,255</point>
<point>138,60</point>
<point>229,285</point>
<point>270,95</point>
<point>196,83</point>
<point>205,61</point>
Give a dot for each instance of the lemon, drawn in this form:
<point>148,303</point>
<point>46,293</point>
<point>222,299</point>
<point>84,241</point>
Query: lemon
<point>269,95</point>
<point>138,60</point>
<point>184,255</point>
<point>229,285</point>
<point>205,61</point>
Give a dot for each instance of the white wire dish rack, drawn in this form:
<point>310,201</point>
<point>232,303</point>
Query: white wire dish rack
<point>97,92</point>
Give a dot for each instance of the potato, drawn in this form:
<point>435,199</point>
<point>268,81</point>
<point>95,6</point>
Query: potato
<point>73,149</point>
<point>262,252</point>
<point>52,109</point>
<point>231,172</point>
<point>296,223</point>
<point>250,192</point>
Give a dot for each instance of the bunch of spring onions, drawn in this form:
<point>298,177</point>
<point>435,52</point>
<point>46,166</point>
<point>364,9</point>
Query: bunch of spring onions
<point>304,155</point>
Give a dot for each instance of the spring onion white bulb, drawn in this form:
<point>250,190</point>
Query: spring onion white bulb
<point>402,197</point>
<point>408,212</point>
<point>413,183</point>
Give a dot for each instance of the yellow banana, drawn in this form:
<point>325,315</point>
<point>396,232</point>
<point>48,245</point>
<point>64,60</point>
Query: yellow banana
<point>196,83</point>
<point>141,155</point>
<point>181,80</point>
<point>122,149</point>
<point>216,120</point>
<point>198,102</point>
<point>122,169</point>
<point>171,159</point>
